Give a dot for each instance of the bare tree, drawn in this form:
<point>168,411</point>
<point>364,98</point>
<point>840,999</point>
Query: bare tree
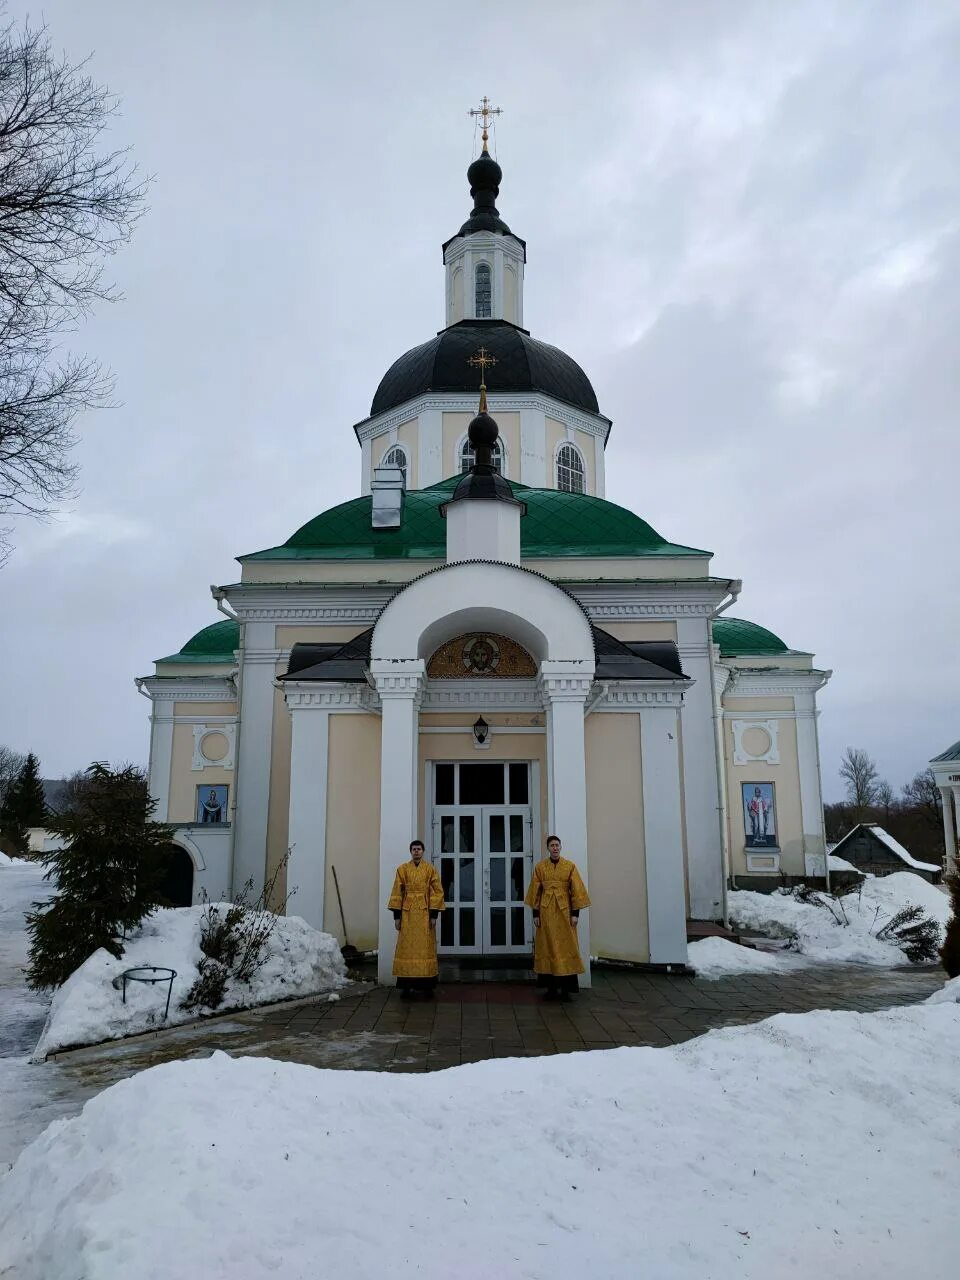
<point>66,204</point>
<point>884,798</point>
<point>859,772</point>
<point>922,794</point>
<point>11,762</point>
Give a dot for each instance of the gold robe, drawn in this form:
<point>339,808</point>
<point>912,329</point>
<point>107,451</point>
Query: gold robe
<point>416,892</point>
<point>555,890</point>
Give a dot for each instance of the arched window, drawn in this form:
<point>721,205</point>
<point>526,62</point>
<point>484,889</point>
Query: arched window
<point>569,469</point>
<point>466,456</point>
<point>396,456</point>
<point>484,291</point>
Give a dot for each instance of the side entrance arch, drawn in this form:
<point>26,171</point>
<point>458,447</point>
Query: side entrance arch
<point>176,886</point>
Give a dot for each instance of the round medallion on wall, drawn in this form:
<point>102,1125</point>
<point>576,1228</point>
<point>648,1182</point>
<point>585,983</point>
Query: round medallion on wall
<point>214,747</point>
<point>756,741</point>
<point>481,655</point>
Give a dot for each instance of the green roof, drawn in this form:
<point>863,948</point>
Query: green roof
<point>556,524</point>
<point>951,753</point>
<point>737,637</point>
<point>215,643</point>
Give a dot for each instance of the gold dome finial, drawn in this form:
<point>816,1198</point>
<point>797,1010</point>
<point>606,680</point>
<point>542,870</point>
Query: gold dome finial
<point>481,360</point>
<point>485,111</point>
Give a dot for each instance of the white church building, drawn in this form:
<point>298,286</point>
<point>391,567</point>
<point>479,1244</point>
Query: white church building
<point>481,650</point>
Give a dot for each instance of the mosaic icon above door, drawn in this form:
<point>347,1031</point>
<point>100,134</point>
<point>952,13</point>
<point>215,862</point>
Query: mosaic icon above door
<point>482,655</point>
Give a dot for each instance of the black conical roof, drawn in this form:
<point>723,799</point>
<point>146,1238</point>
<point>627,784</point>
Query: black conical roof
<point>523,364</point>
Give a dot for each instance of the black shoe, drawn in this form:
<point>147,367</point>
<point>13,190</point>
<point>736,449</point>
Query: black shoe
<point>565,997</point>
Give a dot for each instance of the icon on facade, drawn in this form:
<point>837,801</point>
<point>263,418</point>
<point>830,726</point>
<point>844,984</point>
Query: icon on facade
<point>759,815</point>
<point>481,655</point>
<point>211,804</point>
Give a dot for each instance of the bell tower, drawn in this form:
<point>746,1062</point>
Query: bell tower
<point>484,261</point>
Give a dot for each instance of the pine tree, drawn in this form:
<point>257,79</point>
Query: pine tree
<point>950,951</point>
<point>107,875</point>
<point>23,806</point>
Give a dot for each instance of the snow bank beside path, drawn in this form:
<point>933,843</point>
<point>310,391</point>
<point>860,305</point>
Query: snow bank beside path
<point>632,1162</point>
<point>949,993</point>
<point>815,931</point>
<point>719,958</point>
<point>88,1009</point>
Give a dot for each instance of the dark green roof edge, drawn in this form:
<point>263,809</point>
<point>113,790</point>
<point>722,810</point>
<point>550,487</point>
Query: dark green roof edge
<point>344,531</point>
<point>737,637</point>
<point>951,753</point>
<point>213,643</point>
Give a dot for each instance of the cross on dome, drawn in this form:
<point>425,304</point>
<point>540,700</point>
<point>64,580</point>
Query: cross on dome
<point>485,111</point>
<point>482,360</point>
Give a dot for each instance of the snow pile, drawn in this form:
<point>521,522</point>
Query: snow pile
<point>719,958</point>
<point>815,931</point>
<point>841,864</point>
<point>632,1162</point>
<point>949,993</point>
<point>88,1008</point>
<point>7,861</point>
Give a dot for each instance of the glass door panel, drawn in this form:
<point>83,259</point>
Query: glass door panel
<point>508,924</point>
<point>456,834</point>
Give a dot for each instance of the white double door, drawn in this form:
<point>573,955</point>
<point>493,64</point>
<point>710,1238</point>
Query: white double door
<point>484,855</point>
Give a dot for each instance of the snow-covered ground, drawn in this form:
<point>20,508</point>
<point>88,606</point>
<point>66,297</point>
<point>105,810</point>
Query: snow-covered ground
<point>815,932</point>
<point>22,1011</point>
<point>88,1008</point>
<point>720,958</point>
<point>806,1145</point>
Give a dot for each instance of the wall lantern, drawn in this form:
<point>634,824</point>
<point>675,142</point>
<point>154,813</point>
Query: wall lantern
<point>481,731</point>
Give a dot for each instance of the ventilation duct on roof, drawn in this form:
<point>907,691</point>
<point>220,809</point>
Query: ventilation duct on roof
<point>386,510</point>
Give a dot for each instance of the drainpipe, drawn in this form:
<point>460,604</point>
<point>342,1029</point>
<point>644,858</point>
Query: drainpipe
<point>734,587</point>
<point>600,694</point>
<point>219,596</point>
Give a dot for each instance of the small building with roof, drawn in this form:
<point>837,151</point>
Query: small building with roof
<point>481,650</point>
<point>946,771</point>
<point>868,848</point>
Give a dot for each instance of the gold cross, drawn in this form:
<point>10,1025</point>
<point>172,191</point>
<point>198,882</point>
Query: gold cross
<point>485,111</point>
<point>482,360</point>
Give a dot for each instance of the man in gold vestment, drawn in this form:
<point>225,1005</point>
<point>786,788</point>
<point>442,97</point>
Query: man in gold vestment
<point>416,901</point>
<point>557,896</point>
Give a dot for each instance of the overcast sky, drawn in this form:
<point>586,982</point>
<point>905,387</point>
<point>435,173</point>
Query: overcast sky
<point>742,220</point>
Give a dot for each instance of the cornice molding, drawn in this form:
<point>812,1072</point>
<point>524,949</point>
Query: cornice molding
<point>454,402</point>
<point>199,689</point>
<point>774,682</point>
<point>308,695</point>
<point>649,693</point>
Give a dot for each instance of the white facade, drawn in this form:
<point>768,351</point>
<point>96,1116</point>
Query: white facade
<point>640,767</point>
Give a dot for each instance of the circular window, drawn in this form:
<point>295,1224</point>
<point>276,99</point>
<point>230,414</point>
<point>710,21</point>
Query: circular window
<point>214,746</point>
<point>756,741</point>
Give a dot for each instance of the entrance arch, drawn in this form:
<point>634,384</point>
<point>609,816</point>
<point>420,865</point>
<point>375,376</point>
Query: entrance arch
<point>176,884</point>
<point>490,598</point>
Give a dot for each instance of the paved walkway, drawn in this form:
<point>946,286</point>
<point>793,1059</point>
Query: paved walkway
<point>371,1029</point>
<point>467,1023</point>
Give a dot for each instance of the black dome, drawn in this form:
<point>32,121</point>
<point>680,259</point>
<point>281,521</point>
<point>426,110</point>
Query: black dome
<point>523,364</point>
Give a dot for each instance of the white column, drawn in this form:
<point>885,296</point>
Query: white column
<point>400,686</point>
<point>161,755</point>
<point>948,795</point>
<point>366,466</point>
<point>533,444</point>
<point>259,667</point>
<point>660,767</point>
<point>307,840</point>
<point>700,772</point>
<point>564,694</point>
<point>430,433</point>
<point>599,466</point>
<point>811,803</point>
